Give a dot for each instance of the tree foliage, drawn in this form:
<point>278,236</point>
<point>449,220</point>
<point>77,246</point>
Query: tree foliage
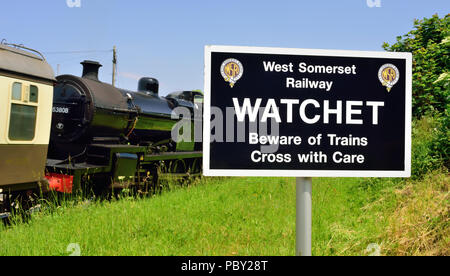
<point>429,42</point>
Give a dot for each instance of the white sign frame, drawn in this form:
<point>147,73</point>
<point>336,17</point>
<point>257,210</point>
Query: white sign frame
<point>207,171</point>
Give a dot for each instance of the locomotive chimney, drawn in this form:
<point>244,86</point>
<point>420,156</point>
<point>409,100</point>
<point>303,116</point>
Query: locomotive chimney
<point>90,69</point>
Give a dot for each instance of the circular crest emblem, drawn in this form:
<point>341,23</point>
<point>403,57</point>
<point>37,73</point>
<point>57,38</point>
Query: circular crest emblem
<point>389,75</point>
<point>232,71</point>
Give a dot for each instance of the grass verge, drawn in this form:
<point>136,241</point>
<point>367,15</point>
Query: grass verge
<point>248,216</point>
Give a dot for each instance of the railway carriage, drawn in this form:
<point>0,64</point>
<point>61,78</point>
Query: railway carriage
<point>26,99</point>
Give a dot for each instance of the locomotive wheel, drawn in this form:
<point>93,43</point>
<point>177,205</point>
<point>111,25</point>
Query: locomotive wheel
<point>161,182</point>
<point>178,167</point>
<point>195,170</point>
<point>197,167</point>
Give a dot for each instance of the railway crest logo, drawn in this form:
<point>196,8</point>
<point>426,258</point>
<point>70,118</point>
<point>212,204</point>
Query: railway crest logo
<point>232,71</point>
<point>389,75</point>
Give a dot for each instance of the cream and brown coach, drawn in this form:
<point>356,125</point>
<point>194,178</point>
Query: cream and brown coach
<point>26,95</point>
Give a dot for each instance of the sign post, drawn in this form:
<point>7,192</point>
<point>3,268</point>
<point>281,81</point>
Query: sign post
<point>304,216</point>
<point>303,113</point>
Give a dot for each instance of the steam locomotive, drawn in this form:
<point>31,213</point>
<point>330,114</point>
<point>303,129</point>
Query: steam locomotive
<point>117,137</point>
<point>100,137</point>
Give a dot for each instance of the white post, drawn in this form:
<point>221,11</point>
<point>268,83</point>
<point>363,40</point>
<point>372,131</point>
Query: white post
<point>304,216</point>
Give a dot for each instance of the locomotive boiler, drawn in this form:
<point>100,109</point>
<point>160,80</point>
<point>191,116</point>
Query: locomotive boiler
<point>87,111</point>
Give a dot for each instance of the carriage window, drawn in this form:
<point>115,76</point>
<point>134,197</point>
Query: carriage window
<point>17,91</point>
<point>34,94</point>
<point>22,123</point>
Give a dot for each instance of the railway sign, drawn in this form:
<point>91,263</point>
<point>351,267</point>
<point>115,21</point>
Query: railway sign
<point>307,113</point>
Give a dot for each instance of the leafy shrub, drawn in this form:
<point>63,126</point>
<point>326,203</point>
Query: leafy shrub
<point>429,43</point>
<point>427,141</point>
<point>440,145</point>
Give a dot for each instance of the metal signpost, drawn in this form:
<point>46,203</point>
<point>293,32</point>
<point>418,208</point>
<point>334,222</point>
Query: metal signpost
<point>304,216</point>
<point>306,113</point>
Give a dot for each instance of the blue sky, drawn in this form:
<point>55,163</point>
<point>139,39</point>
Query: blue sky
<point>166,39</point>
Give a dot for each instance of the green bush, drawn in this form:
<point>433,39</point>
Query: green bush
<point>429,43</point>
<point>427,146</point>
<point>440,145</point>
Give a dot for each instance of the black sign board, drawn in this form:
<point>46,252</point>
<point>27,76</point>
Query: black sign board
<point>307,113</point>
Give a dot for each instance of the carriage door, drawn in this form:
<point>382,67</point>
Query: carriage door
<point>25,159</point>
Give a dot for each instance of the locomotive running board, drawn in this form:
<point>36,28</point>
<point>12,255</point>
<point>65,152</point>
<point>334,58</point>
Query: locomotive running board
<point>173,156</point>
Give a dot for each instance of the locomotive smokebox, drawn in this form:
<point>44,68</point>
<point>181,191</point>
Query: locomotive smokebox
<point>90,69</point>
<point>148,85</point>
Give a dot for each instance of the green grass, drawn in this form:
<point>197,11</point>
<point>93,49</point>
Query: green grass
<point>224,216</point>
<point>238,216</point>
